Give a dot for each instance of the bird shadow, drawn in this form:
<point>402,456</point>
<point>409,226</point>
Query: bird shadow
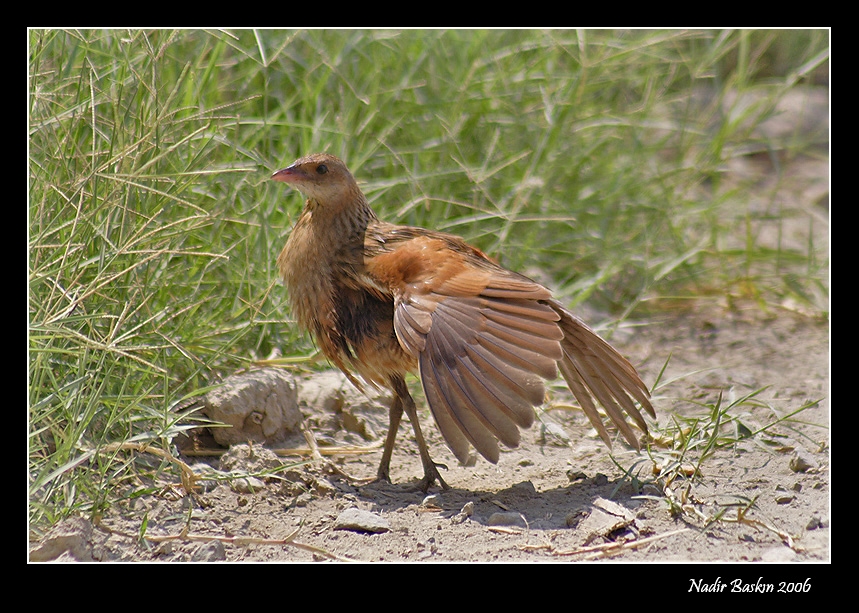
<point>520,505</point>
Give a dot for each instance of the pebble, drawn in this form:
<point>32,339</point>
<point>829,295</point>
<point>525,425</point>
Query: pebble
<point>433,500</point>
<point>509,518</point>
<point>247,485</point>
<point>466,512</point>
<point>212,551</point>
<point>816,522</point>
<point>207,477</point>
<point>524,488</point>
<point>803,461</point>
<point>359,520</point>
<point>71,539</point>
<point>605,517</point>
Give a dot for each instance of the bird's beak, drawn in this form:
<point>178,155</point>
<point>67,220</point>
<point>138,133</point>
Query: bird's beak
<point>287,175</point>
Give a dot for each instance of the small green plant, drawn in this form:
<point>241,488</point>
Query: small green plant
<point>680,452</point>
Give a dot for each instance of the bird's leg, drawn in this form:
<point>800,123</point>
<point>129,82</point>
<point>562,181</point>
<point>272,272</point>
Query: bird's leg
<point>394,416</point>
<point>431,473</point>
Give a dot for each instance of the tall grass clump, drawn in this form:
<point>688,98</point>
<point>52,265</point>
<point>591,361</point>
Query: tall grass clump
<point>600,158</point>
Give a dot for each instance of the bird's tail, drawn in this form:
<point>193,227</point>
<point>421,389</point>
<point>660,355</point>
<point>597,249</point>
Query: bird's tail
<point>593,369</point>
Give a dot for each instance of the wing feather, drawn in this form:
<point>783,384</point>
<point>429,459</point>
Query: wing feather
<point>486,338</point>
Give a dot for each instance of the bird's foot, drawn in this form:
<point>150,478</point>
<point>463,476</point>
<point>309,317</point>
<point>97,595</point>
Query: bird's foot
<point>383,475</point>
<point>431,475</point>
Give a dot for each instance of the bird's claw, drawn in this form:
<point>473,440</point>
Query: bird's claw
<point>431,475</point>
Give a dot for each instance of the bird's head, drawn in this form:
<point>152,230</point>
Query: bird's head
<point>320,177</point>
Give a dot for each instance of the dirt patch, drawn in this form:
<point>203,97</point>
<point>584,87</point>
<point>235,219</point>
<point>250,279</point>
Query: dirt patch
<point>559,496</point>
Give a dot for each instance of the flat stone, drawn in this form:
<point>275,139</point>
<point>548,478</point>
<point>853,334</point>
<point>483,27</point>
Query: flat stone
<point>358,520</point>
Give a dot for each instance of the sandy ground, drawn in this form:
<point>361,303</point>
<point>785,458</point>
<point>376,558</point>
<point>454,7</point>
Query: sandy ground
<point>560,496</point>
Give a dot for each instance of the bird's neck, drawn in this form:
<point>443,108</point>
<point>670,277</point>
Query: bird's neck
<point>339,223</point>
<point>326,239</point>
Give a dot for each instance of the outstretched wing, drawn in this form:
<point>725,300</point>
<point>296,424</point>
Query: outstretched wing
<point>594,369</point>
<point>486,338</point>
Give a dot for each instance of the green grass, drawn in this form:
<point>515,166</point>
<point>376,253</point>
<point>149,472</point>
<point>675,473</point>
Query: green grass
<point>598,157</point>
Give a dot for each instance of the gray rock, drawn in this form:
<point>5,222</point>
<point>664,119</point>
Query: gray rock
<point>507,518</point>
<point>212,551</point>
<point>259,406</point>
<point>359,520</point>
<point>70,540</point>
<point>247,485</point>
<point>606,516</point>
<point>803,461</point>
<point>466,512</point>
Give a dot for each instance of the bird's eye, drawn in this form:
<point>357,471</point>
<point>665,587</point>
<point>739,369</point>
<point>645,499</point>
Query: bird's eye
<point>322,169</point>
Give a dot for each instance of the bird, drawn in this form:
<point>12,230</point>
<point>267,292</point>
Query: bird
<point>383,300</point>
